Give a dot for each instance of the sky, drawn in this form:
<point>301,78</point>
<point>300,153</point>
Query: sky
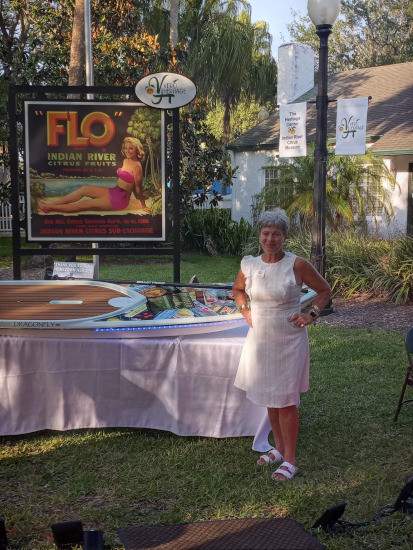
<point>277,13</point>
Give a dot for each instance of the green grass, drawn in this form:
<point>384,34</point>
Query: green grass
<point>6,252</point>
<point>208,269</point>
<point>349,449</point>
<point>215,269</point>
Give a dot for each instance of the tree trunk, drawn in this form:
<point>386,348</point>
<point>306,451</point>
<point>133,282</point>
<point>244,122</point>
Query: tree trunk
<point>173,29</point>
<point>173,23</point>
<point>226,129</point>
<point>77,47</point>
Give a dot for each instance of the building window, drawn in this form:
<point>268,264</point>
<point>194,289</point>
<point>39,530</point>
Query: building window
<point>374,191</point>
<point>276,193</point>
<point>371,193</point>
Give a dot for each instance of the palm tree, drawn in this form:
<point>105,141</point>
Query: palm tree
<point>356,187</point>
<point>232,57</point>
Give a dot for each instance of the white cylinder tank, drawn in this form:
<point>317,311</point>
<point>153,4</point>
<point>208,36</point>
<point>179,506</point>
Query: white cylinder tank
<point>295,71</point>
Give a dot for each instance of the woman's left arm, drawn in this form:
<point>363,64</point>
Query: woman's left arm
<point>137,174</point>
<point>311,277</point>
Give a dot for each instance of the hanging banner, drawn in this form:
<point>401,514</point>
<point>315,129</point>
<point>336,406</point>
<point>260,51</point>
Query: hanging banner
<point>293,139</point>
<point>94,171</point>
<point>351,126</point>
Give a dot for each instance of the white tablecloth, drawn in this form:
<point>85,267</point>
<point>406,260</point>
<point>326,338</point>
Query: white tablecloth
<point>180,384</point>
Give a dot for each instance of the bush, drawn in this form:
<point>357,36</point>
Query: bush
<point>396,271</point>
<point>213,231</point>
<point>359,264</point>
<point>353,261</point>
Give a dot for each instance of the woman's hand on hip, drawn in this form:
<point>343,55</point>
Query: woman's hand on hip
<point>301,320</point>
<point>247,316</point>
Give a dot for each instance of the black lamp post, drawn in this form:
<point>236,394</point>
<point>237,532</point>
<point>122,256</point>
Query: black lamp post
<point>322,13</point>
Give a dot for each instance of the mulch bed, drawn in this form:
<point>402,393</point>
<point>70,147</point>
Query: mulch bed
<point>361,312</point>
<point>365,312</point>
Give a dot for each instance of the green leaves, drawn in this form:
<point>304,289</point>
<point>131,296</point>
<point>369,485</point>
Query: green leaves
<point>368,33</point>
<point>356,187</point>
<point>231,57</point>
<point>213,230</point>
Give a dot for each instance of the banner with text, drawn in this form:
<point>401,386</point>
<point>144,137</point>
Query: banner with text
<point>293,139</point>
<point>351,126</point>
<point>94,171</point>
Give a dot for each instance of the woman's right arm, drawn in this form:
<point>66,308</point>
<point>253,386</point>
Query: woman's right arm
<point>241,297</point>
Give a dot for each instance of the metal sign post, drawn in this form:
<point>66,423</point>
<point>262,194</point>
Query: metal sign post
<point>170,91</point>
<point>176,195</point>
<point>90,82</point>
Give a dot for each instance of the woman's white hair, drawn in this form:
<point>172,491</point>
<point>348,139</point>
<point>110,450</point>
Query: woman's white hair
<point>277,217</point>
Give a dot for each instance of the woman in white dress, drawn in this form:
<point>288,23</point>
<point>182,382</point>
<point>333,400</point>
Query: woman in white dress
<point>274,364</point>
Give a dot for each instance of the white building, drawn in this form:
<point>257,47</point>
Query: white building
<point>389,134</point>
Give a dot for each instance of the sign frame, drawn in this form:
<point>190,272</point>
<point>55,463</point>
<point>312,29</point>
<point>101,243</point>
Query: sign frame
<point>29,108</point>
<point>16,96</point>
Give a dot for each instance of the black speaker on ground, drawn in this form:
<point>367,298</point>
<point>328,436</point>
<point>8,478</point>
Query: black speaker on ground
<point>404,502</point>
<point>70,533</point>
<point>3,535</point>
<point>328,520</point>
<point>93,540</point>
<point>67,534</point>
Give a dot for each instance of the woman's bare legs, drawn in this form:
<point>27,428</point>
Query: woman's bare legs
<point>289,424</point>
<point>276,429</point>
<point>101,203</point>
<point>92,191</point>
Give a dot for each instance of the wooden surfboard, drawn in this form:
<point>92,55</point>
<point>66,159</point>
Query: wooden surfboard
<point>146,309</point>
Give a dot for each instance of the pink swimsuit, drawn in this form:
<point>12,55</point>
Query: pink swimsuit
<point>119,198</point>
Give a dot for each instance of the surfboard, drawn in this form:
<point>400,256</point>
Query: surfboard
<point>146,309</point>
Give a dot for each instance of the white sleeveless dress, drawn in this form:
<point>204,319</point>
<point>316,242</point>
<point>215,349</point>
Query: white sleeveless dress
<point>274,364</point>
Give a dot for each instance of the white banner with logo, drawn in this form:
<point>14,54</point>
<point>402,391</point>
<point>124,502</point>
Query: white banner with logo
<point>293,139</point>
<point>351,126</point>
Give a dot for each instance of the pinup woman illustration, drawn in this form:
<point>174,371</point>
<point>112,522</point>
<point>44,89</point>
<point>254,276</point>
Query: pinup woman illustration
<point>93,197</point>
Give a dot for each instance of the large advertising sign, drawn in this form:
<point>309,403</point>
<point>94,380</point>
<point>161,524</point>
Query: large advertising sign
<point>94,171</point>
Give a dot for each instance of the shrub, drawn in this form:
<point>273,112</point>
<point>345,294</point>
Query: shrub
<point>352,262</point>
<point>395,276</point>
<point>359,264</point>
<point>212,230</point>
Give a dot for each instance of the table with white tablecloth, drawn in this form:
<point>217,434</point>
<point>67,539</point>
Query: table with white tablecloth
<point>183,384</point>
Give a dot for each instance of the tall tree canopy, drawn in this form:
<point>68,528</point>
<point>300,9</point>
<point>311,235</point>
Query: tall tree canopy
<point>233,58</point>
<point>367,33</point>
<point>213,42</point>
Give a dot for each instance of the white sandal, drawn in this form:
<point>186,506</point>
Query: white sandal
<point>270,458</point>
<point>287,470</point>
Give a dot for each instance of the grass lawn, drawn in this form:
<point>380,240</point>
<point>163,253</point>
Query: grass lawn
<point>349,449</point>
<point>150,268</point>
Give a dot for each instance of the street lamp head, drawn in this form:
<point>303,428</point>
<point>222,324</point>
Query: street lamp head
<point>323,12</point>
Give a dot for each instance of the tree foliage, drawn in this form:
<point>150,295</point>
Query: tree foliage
<point>203,159</point>
<point>231,58</point>
<point>367,33</point>
<point>245,116</point>
<point>132,38</point>
<point>356,187</point>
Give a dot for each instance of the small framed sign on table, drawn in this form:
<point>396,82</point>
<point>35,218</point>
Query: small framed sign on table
<point>72,270</point>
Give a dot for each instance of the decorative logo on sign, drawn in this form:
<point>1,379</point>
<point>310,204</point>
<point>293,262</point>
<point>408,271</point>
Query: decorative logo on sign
<point>349,126</point>
<point>165,90</point>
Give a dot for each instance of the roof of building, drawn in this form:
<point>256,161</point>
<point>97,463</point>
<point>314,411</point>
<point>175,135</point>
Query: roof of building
<point>390,113</point>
